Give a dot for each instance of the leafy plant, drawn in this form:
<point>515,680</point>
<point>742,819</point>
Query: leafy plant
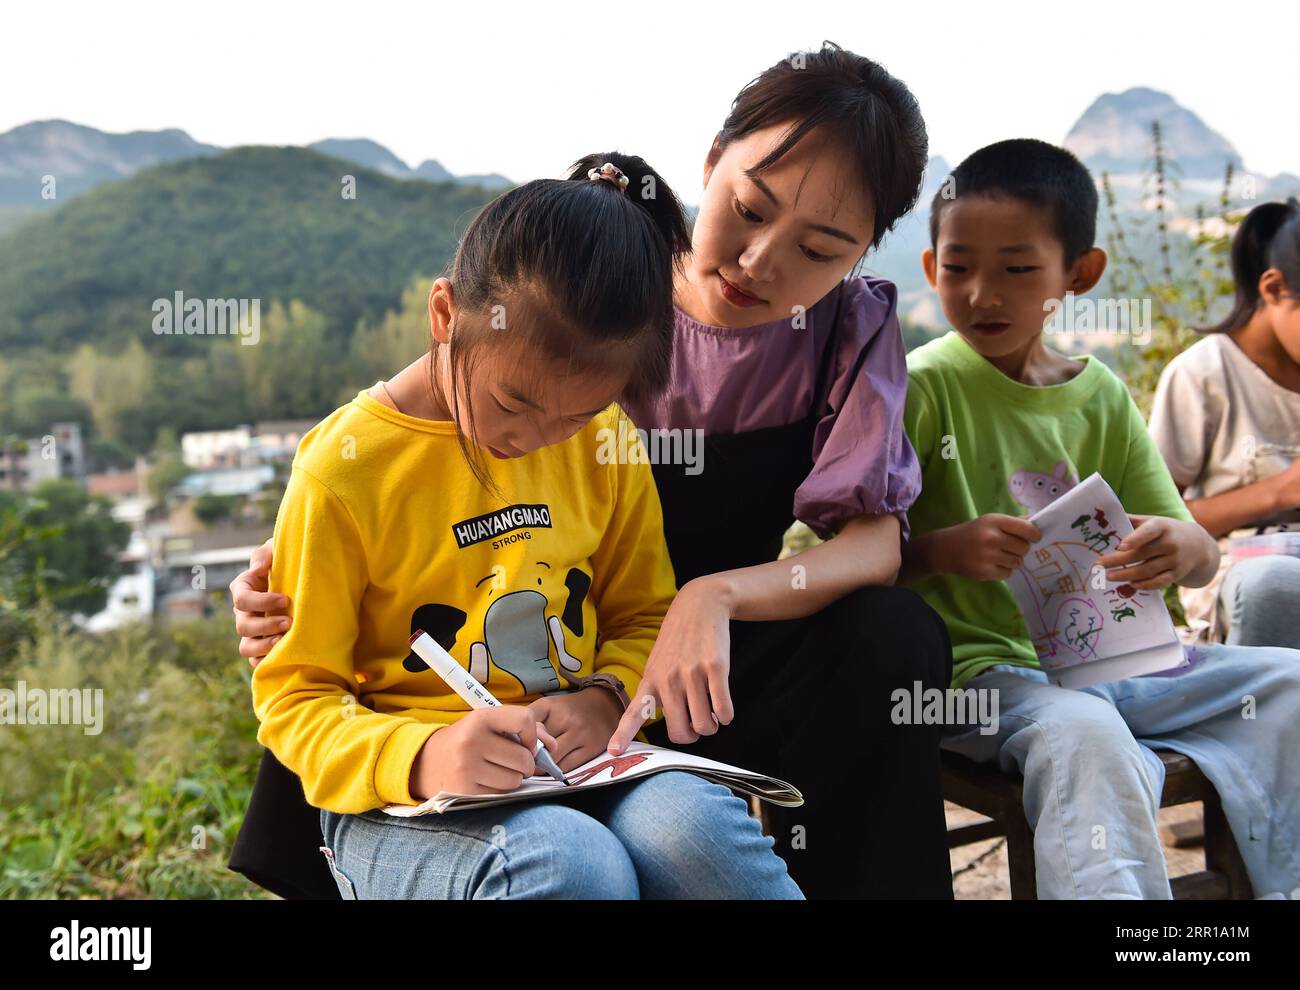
<point>1187,279</point>
<point>58,544</point>
<point>149,805</point>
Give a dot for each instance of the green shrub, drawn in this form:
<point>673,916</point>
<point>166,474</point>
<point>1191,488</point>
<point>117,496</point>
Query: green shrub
<point>149,806</point>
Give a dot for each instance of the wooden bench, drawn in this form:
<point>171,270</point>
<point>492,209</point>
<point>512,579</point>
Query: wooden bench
<point>985,789</point>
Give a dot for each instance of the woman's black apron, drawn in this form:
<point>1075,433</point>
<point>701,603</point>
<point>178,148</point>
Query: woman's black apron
<point>732,514</point>
<point>735,512</point>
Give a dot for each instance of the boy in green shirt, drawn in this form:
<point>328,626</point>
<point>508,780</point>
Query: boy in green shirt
<point>1002,425</point>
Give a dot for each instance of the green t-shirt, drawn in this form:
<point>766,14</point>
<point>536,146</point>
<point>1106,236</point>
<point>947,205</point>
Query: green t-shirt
<point>990,444</point>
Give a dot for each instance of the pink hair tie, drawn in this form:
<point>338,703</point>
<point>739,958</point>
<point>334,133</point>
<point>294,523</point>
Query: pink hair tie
<point>611,173</point>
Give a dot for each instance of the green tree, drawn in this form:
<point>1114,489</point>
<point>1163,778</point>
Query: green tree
<point>107,455</point>
<point>380,349</point>
<point>59,544</point>
<point>296,367</point>
<point>38,405</point>
<point>110,384</point>
<point>17,536</point>
<point>167,468</point>
<point>212,508</point>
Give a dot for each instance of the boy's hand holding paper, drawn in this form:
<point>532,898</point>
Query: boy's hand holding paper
<point>1086,626</point>
<point>1160,552</point>
<point>990,547</point>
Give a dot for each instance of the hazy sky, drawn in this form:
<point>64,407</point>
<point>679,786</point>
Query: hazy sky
<point>523,89</point>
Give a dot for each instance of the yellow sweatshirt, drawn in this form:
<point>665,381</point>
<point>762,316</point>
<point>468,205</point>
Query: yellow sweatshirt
<point>383,529</point>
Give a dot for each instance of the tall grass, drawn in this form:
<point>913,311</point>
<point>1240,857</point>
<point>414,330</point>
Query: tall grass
<point>150,806</point>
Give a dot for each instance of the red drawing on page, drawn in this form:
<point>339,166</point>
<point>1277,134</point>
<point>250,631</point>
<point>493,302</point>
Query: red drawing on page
<point>615,764</point>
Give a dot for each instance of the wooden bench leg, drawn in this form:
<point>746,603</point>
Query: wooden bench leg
<point>1020,858</point>
<point>1221,854</point>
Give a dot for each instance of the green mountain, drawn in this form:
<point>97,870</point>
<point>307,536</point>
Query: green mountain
<point>255,223</point>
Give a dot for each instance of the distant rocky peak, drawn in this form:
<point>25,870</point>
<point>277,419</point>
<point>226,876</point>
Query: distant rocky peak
<point>1114,135</point>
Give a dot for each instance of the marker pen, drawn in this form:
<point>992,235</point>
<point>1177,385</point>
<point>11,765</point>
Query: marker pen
<point>472,692</point>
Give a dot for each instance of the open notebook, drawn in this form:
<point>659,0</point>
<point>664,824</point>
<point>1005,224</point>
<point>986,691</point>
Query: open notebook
<point>640,760</point>
<point>1085,628</point>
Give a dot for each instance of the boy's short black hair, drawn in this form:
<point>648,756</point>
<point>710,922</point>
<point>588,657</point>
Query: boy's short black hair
<point>1033,171</point>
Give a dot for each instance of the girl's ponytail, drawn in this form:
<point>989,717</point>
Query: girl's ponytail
<point>602,258</point>
<point>648,191</point>
<point>588,270</point>
<point>1269,237</point>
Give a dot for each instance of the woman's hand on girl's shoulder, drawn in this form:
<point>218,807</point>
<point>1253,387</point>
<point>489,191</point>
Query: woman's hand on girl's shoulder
<point>261,616</point>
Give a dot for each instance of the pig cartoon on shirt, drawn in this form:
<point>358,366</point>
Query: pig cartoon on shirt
<point>1035,490</point>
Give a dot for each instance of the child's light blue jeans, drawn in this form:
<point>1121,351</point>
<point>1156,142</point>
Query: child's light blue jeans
<point>1261,596</point>
<point>1092,783</point>
<point>671,835</point>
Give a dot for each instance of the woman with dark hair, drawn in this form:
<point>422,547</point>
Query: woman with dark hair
<point>795,377</point>
<point>1226,417</point>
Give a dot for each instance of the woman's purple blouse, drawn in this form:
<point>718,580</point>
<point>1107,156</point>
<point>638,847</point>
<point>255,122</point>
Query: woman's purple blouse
<point>727,380</point>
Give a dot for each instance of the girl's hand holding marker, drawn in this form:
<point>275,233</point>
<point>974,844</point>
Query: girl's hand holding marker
<point>475,754</point>
<point>479,754</point>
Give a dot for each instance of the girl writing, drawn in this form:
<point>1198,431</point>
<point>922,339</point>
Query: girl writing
<point>465,497</point>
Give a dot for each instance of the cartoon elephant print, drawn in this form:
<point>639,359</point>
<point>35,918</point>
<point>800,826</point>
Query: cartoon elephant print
<point>517,634</point>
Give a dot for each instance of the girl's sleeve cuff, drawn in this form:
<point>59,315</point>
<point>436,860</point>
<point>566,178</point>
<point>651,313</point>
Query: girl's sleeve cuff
<point>393,768</point>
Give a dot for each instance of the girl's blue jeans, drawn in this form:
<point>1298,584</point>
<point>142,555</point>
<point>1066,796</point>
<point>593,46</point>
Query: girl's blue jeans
<point>671,835</point>
<point>1262,598</point>
<point>1092,781</point>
